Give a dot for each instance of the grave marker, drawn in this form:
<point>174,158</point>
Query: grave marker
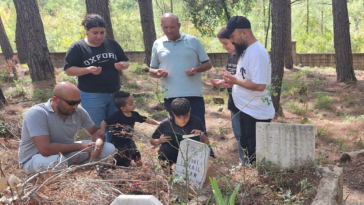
<point>197,156</point>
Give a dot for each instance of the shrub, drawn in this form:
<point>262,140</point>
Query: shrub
<point>324,101</point>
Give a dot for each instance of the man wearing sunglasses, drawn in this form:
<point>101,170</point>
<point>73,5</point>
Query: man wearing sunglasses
<point>49,129</point>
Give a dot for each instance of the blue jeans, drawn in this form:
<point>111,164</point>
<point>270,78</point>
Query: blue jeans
<point>99,106</point>
<point>235,122</point>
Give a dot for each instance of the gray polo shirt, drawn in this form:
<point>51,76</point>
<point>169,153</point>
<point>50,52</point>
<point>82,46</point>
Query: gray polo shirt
<point>177,57</point>
<point>42,120</point>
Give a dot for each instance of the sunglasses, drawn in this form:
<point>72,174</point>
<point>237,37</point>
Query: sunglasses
<point>71,103</point>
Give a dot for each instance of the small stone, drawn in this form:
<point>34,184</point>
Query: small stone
<point>218,101</point>
<point>345,158</point>
<point>220,109</point>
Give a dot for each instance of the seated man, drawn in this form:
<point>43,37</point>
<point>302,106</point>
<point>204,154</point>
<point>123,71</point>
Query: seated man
<point>49,130</point>
<point>182,122</point>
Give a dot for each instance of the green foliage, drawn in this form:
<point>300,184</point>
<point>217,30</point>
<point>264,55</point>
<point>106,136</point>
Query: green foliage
<point>203,19</point>
<point>42,95</point>
<point>291,87</point>
<point>360,143</point>
<point>322,159</point>
<point>323,101</point>
<point>3,127</point>
<point>321,131</point>
<point>295,108</point>
<point>297,75</point>
<point>20,89</point>
<point>5,76</point>
<point>220,199</point>
<point>138,69</point>
<point>63,77</point>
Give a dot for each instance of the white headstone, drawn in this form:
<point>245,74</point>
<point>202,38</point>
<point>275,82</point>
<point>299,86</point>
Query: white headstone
<point>136,200</point>
<point>192,161</point>
<point>289,146</point>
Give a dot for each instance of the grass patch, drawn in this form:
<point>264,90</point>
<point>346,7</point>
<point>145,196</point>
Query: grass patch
<point>138,68</point>
<point>291,87</point>
<point>321,131</point>
<point>297,75</point>
<point>323,101</point>
<point>42,95</point>
<point>295,108</point>
<point>350,118</point>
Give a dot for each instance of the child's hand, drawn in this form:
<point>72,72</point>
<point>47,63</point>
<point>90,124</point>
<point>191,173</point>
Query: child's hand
<point>203,137</point>
<point>101,132</point>
<point>163,139</point>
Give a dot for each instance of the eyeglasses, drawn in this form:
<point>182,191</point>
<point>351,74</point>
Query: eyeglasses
<point>71,103</point>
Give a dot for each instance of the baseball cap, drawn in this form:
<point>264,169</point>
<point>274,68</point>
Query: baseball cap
<point>235,22</point>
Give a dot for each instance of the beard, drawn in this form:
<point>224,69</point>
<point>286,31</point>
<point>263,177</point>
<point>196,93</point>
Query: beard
<point>63,111</point>
<point>240,48</point>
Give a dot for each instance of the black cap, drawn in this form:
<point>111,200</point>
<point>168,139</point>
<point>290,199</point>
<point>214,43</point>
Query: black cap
<point>235,22</point>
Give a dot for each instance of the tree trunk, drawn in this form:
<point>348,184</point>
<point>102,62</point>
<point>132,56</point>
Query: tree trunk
<point>171,6</point>
<point>225,9</point>
<point>308,16</point>
<point>342,43</point>
<point>6,48</point>
<point>277,49</point>
<point>147,20</point>
<point>288,61</point>
<point>269,15</point>
<point>2,98</point>
<point>38,59</point>
<point>101,7</point>
<point>20,43</point>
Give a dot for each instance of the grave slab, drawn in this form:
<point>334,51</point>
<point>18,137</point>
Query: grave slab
<point>136,200</point>
<point>289,146</point>
<point>192,161</point>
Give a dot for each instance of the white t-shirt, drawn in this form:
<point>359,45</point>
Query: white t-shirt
<point>255,65</point>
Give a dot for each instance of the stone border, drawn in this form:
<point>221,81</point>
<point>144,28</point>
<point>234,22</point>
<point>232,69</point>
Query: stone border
<point>330,189</point>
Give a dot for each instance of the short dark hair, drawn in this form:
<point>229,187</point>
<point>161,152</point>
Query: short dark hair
<point>93,20</point>
<point>180,106</point>
<point>120,99</point>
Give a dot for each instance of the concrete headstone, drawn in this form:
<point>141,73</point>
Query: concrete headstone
<point>136,200</point>
<point>290,146</point>
<point>192,161</point>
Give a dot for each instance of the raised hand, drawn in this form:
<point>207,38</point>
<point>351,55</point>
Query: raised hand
<point>161,73</point>
<point>95,70</point>
<point>120,66</point>
<point>191,72</point>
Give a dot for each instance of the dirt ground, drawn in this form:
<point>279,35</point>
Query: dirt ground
<point>309,95</point>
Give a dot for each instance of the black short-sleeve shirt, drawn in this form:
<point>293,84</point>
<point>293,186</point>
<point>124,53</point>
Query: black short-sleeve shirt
<point>231,67</point>
<point>169,125</point>
<point>119,117</point>
<point>80,54</point>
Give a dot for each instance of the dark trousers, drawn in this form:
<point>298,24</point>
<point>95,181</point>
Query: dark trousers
<point>197,107</point>
<point>248,135</point>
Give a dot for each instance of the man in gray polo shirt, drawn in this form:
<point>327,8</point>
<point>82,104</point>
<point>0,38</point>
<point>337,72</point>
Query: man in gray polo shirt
<point>49,129</point>
<point>179,59</point>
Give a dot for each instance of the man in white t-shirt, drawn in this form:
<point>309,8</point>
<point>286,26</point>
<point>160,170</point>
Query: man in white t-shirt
<point>249,84</point>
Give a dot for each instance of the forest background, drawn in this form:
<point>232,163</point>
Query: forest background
<point>312,23</point>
